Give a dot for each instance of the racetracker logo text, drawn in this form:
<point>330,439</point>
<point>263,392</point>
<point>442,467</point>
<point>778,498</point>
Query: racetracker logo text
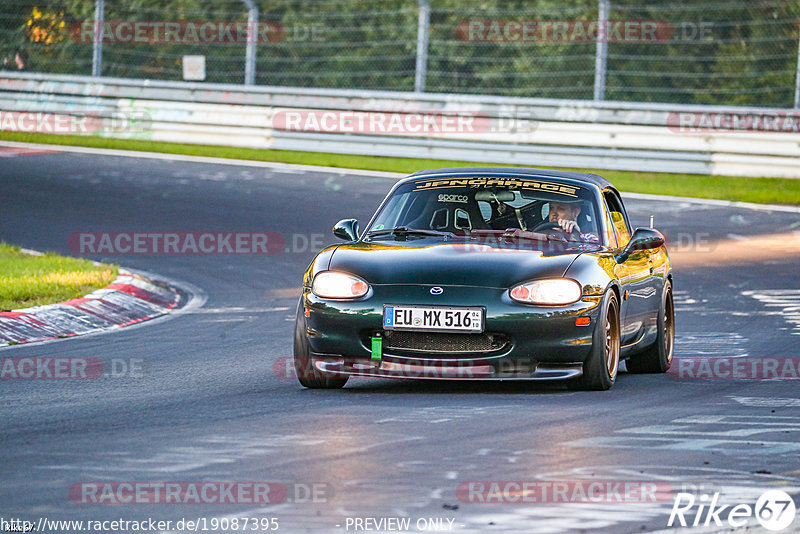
<point>176,32</point>
<point>74,122</point>
<point>688,122</point>
<point>177,493</point>
<point>573,491</point>
<point>736,368</point>
<point>115,493</point>
<point>176,243</point>
<point>384,122</point>
<point>565,31</point>
<point>76,368</point>
<point>284,368</point>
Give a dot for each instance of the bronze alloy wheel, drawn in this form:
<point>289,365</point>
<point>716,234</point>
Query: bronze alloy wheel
<point>658,357</point>
<point>612,342</point>
<point>669,328</point>
<point>601,366</point>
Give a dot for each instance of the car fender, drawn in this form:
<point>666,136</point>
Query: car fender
<point>321,262</point>
<point>595,273</point>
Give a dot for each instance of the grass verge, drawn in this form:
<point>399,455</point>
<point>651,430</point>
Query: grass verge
<point>759,190</point>
<point>27,280</point>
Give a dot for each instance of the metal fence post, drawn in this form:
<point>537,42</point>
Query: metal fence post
<point>422,45</point>
<point>797,79</point>
<point>252,41</point>
<point>97,46</point>
<point>601,53</point>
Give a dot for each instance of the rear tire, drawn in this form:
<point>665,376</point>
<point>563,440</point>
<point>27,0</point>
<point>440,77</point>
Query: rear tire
<point>658,357</point>
<point>601,367</point>
<point>307,374</point>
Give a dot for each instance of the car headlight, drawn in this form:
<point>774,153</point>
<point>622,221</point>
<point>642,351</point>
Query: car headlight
<point>552,292</point>
<point>337,285</point>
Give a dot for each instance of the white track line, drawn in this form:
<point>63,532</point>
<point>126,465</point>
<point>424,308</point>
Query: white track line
<point>357,172</point>
<point>203,159</point>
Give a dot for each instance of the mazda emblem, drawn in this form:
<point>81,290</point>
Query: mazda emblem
<point>436,290</point>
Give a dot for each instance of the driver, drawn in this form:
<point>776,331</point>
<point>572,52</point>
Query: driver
<point>565,214</point>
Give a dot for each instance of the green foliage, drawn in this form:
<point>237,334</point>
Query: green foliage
<point>719,52</point>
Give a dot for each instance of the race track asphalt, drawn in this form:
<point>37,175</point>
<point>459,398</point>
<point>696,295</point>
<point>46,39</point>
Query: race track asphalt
<point>213,406</point>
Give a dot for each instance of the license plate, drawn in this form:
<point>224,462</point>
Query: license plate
<point>433,318</point>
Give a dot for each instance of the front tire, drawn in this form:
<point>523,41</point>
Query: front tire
<point>601,367</point>
<point>658,357</point>
<point>307,374</point>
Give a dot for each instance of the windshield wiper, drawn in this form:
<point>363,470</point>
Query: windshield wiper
<point>404,231</point>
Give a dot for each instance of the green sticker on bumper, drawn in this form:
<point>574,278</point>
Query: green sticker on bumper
<point>377,347</point>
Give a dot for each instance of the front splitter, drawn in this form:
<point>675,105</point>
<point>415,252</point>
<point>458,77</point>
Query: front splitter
<point>339,366</point>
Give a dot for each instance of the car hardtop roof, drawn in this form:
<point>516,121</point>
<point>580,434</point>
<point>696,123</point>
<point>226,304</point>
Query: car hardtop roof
<point>593,179</point>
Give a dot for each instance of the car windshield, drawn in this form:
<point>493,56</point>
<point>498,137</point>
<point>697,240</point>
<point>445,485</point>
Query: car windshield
<point>512,207</point>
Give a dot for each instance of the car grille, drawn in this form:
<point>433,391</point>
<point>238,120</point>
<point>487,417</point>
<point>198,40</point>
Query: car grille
<point>443,343</point>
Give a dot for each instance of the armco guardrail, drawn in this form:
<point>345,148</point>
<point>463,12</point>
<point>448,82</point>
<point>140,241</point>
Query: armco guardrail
<point>567,133</point>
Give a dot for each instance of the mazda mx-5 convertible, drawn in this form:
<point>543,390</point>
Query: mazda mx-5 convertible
<point>488,274</point>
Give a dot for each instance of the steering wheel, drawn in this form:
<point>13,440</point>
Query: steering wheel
<point>548,225</point>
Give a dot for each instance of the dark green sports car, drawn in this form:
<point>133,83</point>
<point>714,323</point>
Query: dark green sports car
<point>488,274</point>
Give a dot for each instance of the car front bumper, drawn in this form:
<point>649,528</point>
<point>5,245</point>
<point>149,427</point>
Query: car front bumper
<point>527,342</point>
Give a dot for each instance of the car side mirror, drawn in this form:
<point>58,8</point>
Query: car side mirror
<point>642,239</point>
<point>346,229</point>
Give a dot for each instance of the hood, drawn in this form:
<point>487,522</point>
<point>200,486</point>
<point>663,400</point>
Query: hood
<point>423,261</point>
